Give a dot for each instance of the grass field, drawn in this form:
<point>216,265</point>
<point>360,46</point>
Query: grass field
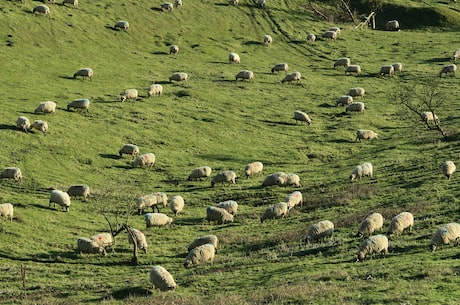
<point>213,120</point>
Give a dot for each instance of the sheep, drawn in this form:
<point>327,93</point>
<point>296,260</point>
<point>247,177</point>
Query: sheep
<point>293,199</point>
<point>173,49</point>
<point>233,58</point>
<point>456,55</point>
<point>46,107</point>
<point>449,233</point>
<point>374,244</point>
<point>294,76</point>
<point>245,74</point>
<point>219,215</point>
<point>206,239</point>
<point>261,3</point>
<point>79,190</point>
<point>61,198</point>
<point>344,100</point>
<point>398,67</point>
<point>42,9</point>
<point>178,77</point>
<point>335,29</point>
<point>168,6</point>
<point>280,67</point>
<point>356,91</point>
<point>342,62</point>
<point>387,70</point>
<point>356,107</point>
<point>23,123</point>
<point>448,168</point>
<point>311,38</point>
<point>157,219</point>
<point>268,40</point>
<point>330,35</point>
<point>365,169</point>
<point>400,222</point>
<point>178,4</point>
<point>129,149</point>
<point>122,25</point>
<point>320,230</point>
<point>429,116</point>
<point>448,69</point>
<point>392,25</point>
<point>160,278</point>
<point>356,69</point>
<point>288,180</point>
<point>176,204</point>
<point>253,168</point>
<point>234,2</point>
<point>73,2</point>
<point>200,255</point>
<point>40,125</point>
<point>155,89</point>
<point>230,206</point>
<point>272,179</point>
<point>139,237</point>
<point>151,200</point>
<point>364,134</point>
<point>147,159</point>
<point>7,210</point>
<point>129,94</point>
<point>200,172</point>
<point>86,245</point>
<point>84,72</point>
<point>370,224</point>
<point>302,117</point>
<point>278,210</point>
<point>79,104</point>
<point>11,173</point>
<point>223,177</point>
<point>103,240</point>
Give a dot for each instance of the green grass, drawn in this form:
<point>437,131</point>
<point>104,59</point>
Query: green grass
<point>213,120</point>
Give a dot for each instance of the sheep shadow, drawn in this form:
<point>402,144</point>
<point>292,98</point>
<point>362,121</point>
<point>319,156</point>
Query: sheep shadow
<point>8,127</point>
<point>437,60</point>
<point>253,42</point>
<point>128,293</point>
<point>66,77</point>
<point>160,53</point>
<point>156,9</point>
<point>110,156</point>
<point>326,105</point>
<point>272,123</point>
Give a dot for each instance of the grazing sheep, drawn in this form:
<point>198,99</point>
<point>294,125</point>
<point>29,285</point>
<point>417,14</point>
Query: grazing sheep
<point>370,224</point>
<point>61,198</point>
<point>294,76</point>
<point>23,123</point>
<point>129,94</point>
<point>356,107</point>
<point>139,237</point>
<point>200,172</point>
<point>86,245</point>
<point>311,38</point>
<point>428,116</point>
<point>151,200</point>
<point>448,168</point>
<point>356,69</point>
<point>168,6</point>
<point>147,159</point>
<point>7,210</point>
<point>449,233</point>
<point>364,134</point>
<point>40,125</point>
<point>234,2</point>
<point>280,67</point>
<point>397,67</point>
<point>178,4</point>
<point>335,29</point>
<point>173,49</point>
<point>278,210</point>
<point>356,91</point>
<point>129,149</point>
<point>374,244</point>
<point>365,169</point>
<point>103,240</point>
<point>157,219</point>
<point>220,215</point>
<point>42,9</point>
<point>176,204</point>
<point>202,240</point>
<point>293,199</point>
<point>245,74</point>
<point>178,77</point>
<point>122,25</point>
<point>272,179</point>
<point>344,100</point>
<point>342,62</point>
<point>253,168</point>
<point>79,190</point>
<point>456,55</point>
<point>267,39</point>
<point>73,2</point>
<point>160,278</point>
<point>392,25</point>
<point>84,72</point>
<point>289,179</point>
<point>330,35</point>
<point>400,222</point>
<point>387,70</point>
<point>234,58</point>
<point>302,117</point>
<point>261,3</point>
<point>320,230</point>
<point>200,255</point>
<point>11,173</point>
<point>448,69</point>
<point>155,89</point>
<point>230,206</point>
<point>46,107</point>
<point>79,104</point>
<point>223,177</point>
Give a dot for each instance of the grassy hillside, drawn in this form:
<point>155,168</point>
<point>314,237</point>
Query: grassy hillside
<point>213,120</point>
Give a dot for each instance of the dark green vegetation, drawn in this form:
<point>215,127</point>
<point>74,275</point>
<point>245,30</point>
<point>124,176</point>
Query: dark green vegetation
<point>213,120</point>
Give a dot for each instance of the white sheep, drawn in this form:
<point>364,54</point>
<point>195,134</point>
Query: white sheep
<point>84,72</point>
<point>448,69</point>
<point>200,172</point>
<point>176,204</point>
<point>449,233</point>
<point>320,230</point>
<point>178,77</point>
<point>342,62</point>
<point>178,4</point>
<point>42,9</point>
<point>272,179</point>
<point>160,278</point>
<point>448,168</point>
<point>356,69</point>
<point>79,104</point>
<point>293,199</point>
<point>302,117</point>
<point>200,255</point>
<point>224,177</point>
<point>73,2</point>
<point>456,55</point>
<point>267,39</point>
<point>155,89</point>
<point>23,123</point>
<point>103,240</point>
<point>428,116</point>
<point>374,244</point>
<point>40,125</point>
<point>392,25</point>
<point>46,107</point>
<point>330,35</point>
<point>122,25</point>
<point>311,38</point>
<point>387,70</point>
<point>356,107</point>
<point>280,67</point>
<point>253,168</point>
<point>234,58</point>
<point>79,190</point>
<point>398,67</point>
<point>294,76</point>
<point>86,245</point>
<point>261,3</point>
<point>61,198</point>
<point>157,219</point>
<point>365,134</point>
<point>278,210</point>
<point>11,173</point>
<point>335,29</point>
<point>129,149</point>
<point>202,240</point>
<point>151,200</point>
<point>245,74</point>
<point>173,49</point>
<point>234,2</point>
<point>147,159</point>
<point>400,222</point>
<point>219,215</point>
<point>356,91</point>
<point>230,206</point>
<point>344,100</point>
<point>139,237</point>
<point>7,210</point>
<point>168,6</point>
<point>129,94</point>
<point>365,169</point>
<point>289,179</point>
<point>370,224</point>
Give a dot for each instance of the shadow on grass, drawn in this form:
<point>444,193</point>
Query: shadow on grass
<point>278,123</point>
<point>160,53</point>
<point>110,156</point>
<point>128,293</point>
<point>253,42</point>
<point>437,60</point>
<point>156,9</point>
<point>8,127</point>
